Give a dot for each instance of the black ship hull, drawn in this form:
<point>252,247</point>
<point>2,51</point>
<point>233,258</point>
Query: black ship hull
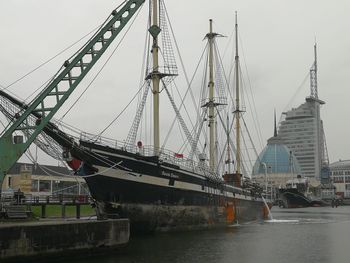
<point>292,198</point>
<point>159,196</point>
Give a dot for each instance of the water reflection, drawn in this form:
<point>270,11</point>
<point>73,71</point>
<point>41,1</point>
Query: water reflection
<point>295,235</point>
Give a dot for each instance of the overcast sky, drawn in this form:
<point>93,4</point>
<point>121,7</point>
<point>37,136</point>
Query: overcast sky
<point>277,38</point>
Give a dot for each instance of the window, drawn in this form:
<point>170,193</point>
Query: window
<point>35,184</point>
<point>84,190</point>
<point>338,179</point>
<point>62,187</point>
<point>45,186</point>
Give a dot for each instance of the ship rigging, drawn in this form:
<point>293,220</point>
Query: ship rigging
<point>154,187</point>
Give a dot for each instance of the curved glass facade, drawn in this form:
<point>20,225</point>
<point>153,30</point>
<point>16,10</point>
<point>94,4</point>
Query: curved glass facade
<point>276,157</point>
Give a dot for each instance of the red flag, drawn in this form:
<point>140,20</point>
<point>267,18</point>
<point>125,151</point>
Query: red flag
<point>179,155</point>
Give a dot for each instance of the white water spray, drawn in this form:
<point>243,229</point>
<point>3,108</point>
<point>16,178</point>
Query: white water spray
<point>271,220</point>
<point>268,209</point>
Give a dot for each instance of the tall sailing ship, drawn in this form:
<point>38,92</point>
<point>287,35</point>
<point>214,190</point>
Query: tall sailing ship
<point>155,188</point>
<point>159,189</point>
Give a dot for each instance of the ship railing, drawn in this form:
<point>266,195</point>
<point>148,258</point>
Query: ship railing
<point>148,151</point>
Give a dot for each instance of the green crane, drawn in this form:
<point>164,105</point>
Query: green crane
<point>48,102</point>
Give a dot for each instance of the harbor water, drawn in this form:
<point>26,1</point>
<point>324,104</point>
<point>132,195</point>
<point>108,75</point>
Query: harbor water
<point>294,235</point>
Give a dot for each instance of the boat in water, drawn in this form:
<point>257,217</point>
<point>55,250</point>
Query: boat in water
<point>157,189</point>
<point>294,194</point>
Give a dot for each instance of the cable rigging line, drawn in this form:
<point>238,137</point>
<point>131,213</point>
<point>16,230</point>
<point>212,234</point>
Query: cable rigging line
<point>2,87</point>
<point>251,141</point>
<point>31,158</point>
<point>225,77</point>
<point>41,65</point>
<point>103,159</point>
<point>47,61</point>
<point>184,97</point>
<point>295,94</point>
<point>181,61</point>
<point>103,66</point>
<point>257,122</point>
<point>203,96</point>
<point>124,109</point>
<point>6,88</point>
<point>143,73</point>
<point>82,47</point>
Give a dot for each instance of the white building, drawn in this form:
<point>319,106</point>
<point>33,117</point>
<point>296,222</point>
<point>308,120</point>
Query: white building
<point>302,132</point>
<point>340,175</point>
<point>43,180</point>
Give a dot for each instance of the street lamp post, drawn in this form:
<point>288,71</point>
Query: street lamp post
<point>265,171</point>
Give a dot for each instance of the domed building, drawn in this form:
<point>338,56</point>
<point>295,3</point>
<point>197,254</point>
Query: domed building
<point>276,163</point>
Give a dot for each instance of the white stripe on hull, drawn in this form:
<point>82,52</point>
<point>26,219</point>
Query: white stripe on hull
<point>164,182</point>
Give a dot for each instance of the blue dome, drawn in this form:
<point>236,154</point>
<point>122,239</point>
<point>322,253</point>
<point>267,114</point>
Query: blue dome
<point>276,156</point>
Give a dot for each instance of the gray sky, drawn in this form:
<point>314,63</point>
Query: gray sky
<point>277,38</point>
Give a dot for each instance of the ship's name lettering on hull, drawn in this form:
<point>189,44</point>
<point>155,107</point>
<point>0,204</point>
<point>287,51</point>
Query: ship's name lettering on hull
<point>169,174</point>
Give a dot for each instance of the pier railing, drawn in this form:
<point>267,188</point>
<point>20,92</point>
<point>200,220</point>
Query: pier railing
<point>22,198</point>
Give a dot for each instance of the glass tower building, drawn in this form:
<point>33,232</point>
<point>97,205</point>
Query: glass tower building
<point>302,132</point>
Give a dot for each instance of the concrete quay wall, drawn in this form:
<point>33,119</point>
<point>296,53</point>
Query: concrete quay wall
<point>44,238</point>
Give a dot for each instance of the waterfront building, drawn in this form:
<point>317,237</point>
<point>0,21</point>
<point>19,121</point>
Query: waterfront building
<point>276,163</point>
<point>302,132</point>
<point>340,175</point>
<point>43,180</point>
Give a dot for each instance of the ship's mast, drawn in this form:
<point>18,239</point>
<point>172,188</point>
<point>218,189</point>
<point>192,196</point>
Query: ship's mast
<point>237,110</point>
<point>154,31</point>
<point>211,104</point>
<point>228,161</point>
